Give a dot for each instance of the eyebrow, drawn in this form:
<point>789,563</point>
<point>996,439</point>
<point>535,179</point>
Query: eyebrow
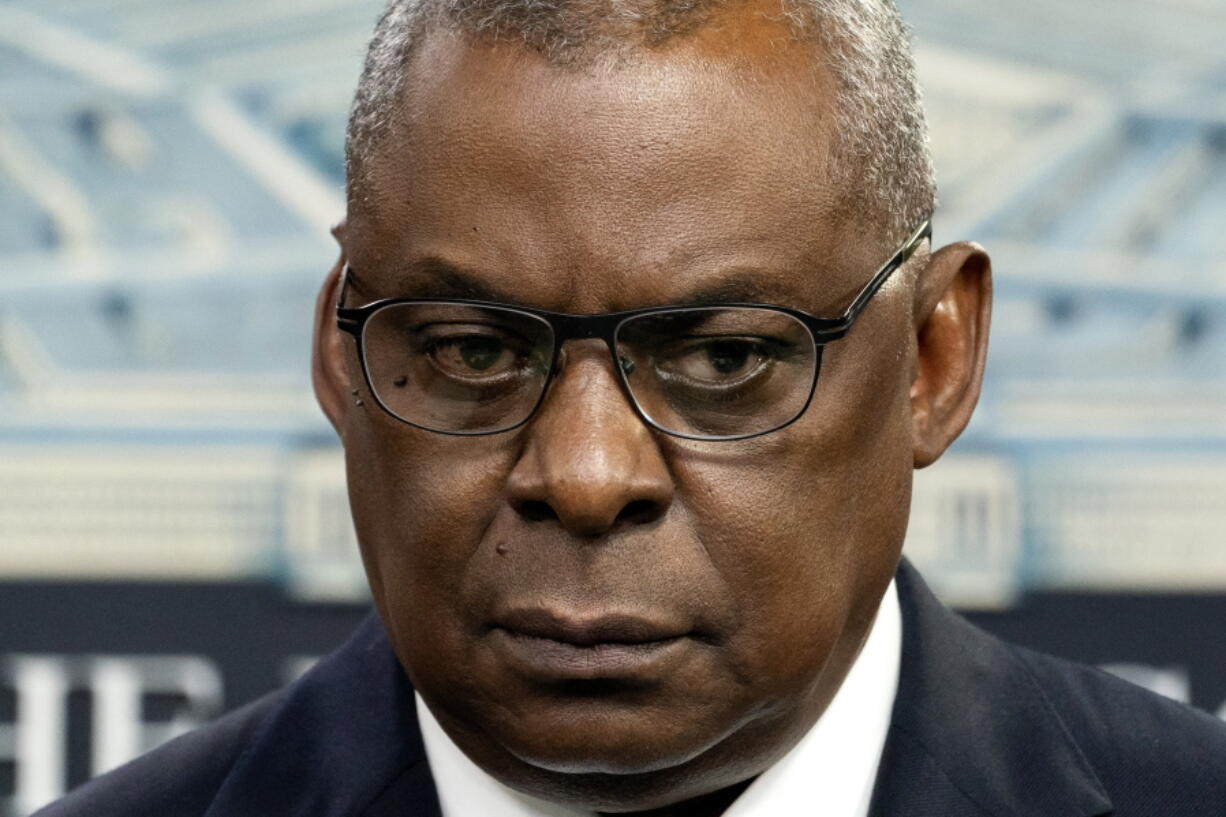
<point>738,286</point>
<point>434,277</point>
<point>443,279</point>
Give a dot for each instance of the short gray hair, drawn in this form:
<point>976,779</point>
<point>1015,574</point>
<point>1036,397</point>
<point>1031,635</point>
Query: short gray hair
<point>881,154</point>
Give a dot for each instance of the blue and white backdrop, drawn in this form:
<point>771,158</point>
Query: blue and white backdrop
<point>174,535</point>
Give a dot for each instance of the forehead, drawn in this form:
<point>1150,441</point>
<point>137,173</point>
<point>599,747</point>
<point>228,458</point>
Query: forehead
<point>612,184</point>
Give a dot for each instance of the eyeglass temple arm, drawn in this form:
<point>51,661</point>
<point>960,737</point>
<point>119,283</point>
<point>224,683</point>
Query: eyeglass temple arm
<point>347,320</point>
<point>923,232</point>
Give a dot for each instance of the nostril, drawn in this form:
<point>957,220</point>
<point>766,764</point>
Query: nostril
<point>535,510</point>
<point>639,511</point>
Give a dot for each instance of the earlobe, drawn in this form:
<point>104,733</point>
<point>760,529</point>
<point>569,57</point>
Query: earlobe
<point>329,375</point>
<point>953,308</point>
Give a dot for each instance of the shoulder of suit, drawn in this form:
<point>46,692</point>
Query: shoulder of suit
<point>1142,746</point>
<point>179,778</point>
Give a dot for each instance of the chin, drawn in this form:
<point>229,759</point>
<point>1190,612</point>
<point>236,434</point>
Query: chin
<point>595,739</point>
<point>601,758</point>
<point>625,786</point>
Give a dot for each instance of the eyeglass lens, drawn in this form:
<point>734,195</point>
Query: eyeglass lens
<point>701,372</point>
<point>718,372</point>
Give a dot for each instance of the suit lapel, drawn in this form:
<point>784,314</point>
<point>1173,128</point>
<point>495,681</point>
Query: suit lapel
<point>344,742</point>
<point>971,732</point>
<point>411,794</point>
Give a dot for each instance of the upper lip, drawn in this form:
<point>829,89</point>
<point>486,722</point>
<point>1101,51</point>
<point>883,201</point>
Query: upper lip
<point>589,630</point>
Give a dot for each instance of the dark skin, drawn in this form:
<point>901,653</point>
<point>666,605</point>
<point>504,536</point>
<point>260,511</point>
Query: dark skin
<point>613,187</point>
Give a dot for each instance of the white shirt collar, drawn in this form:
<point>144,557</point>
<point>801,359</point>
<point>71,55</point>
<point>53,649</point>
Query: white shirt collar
<point>831,770</point>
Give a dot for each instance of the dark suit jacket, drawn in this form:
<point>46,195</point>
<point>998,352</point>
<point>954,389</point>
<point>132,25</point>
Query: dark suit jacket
<point>979,727</point>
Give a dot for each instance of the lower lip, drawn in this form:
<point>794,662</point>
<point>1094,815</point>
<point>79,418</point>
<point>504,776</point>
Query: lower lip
<point>548,659</point>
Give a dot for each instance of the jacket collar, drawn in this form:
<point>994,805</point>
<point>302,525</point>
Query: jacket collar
<point>342,741</point>
<point>972,733</point>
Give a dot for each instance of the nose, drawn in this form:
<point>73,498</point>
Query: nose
<point>589,463</point>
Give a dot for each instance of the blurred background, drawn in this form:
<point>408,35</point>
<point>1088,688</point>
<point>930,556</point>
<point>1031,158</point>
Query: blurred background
<point>174,532</point>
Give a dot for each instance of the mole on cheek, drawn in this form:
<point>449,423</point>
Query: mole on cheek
<point>501,548</point>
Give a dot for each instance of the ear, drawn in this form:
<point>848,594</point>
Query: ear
<point>329,374</point>
<point>953,310</point>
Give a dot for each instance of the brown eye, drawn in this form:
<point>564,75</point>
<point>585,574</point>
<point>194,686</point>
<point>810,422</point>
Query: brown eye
<point>718,361</point>
<point>473,354</point>
<point>479,353</point>
<point>727,357</point>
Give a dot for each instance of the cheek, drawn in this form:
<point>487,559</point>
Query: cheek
<point>420,504</point>
<point>807,526</point>
<point>786,558</point>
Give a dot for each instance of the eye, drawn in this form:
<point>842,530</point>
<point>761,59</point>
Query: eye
<point>474,354</point>
<point>479,353</point>
<point>719,361</point>
<point>729,357</point>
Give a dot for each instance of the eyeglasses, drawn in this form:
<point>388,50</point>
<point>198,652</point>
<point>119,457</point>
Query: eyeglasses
<point>697,371</point>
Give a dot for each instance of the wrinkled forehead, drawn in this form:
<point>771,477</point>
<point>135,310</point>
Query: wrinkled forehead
<point>616,178</point>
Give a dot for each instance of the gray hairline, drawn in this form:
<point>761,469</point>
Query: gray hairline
<point>882,155</point>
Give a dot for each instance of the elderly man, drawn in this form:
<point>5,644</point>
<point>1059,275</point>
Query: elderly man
<point>635,343</point>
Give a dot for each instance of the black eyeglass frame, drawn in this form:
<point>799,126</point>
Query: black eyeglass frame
<point>569,326</point>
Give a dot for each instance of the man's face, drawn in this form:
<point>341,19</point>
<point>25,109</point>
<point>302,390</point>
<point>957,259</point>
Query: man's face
<point>512,570</point>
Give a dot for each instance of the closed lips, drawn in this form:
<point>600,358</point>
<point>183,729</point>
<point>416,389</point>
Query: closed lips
<point>590,631</point>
